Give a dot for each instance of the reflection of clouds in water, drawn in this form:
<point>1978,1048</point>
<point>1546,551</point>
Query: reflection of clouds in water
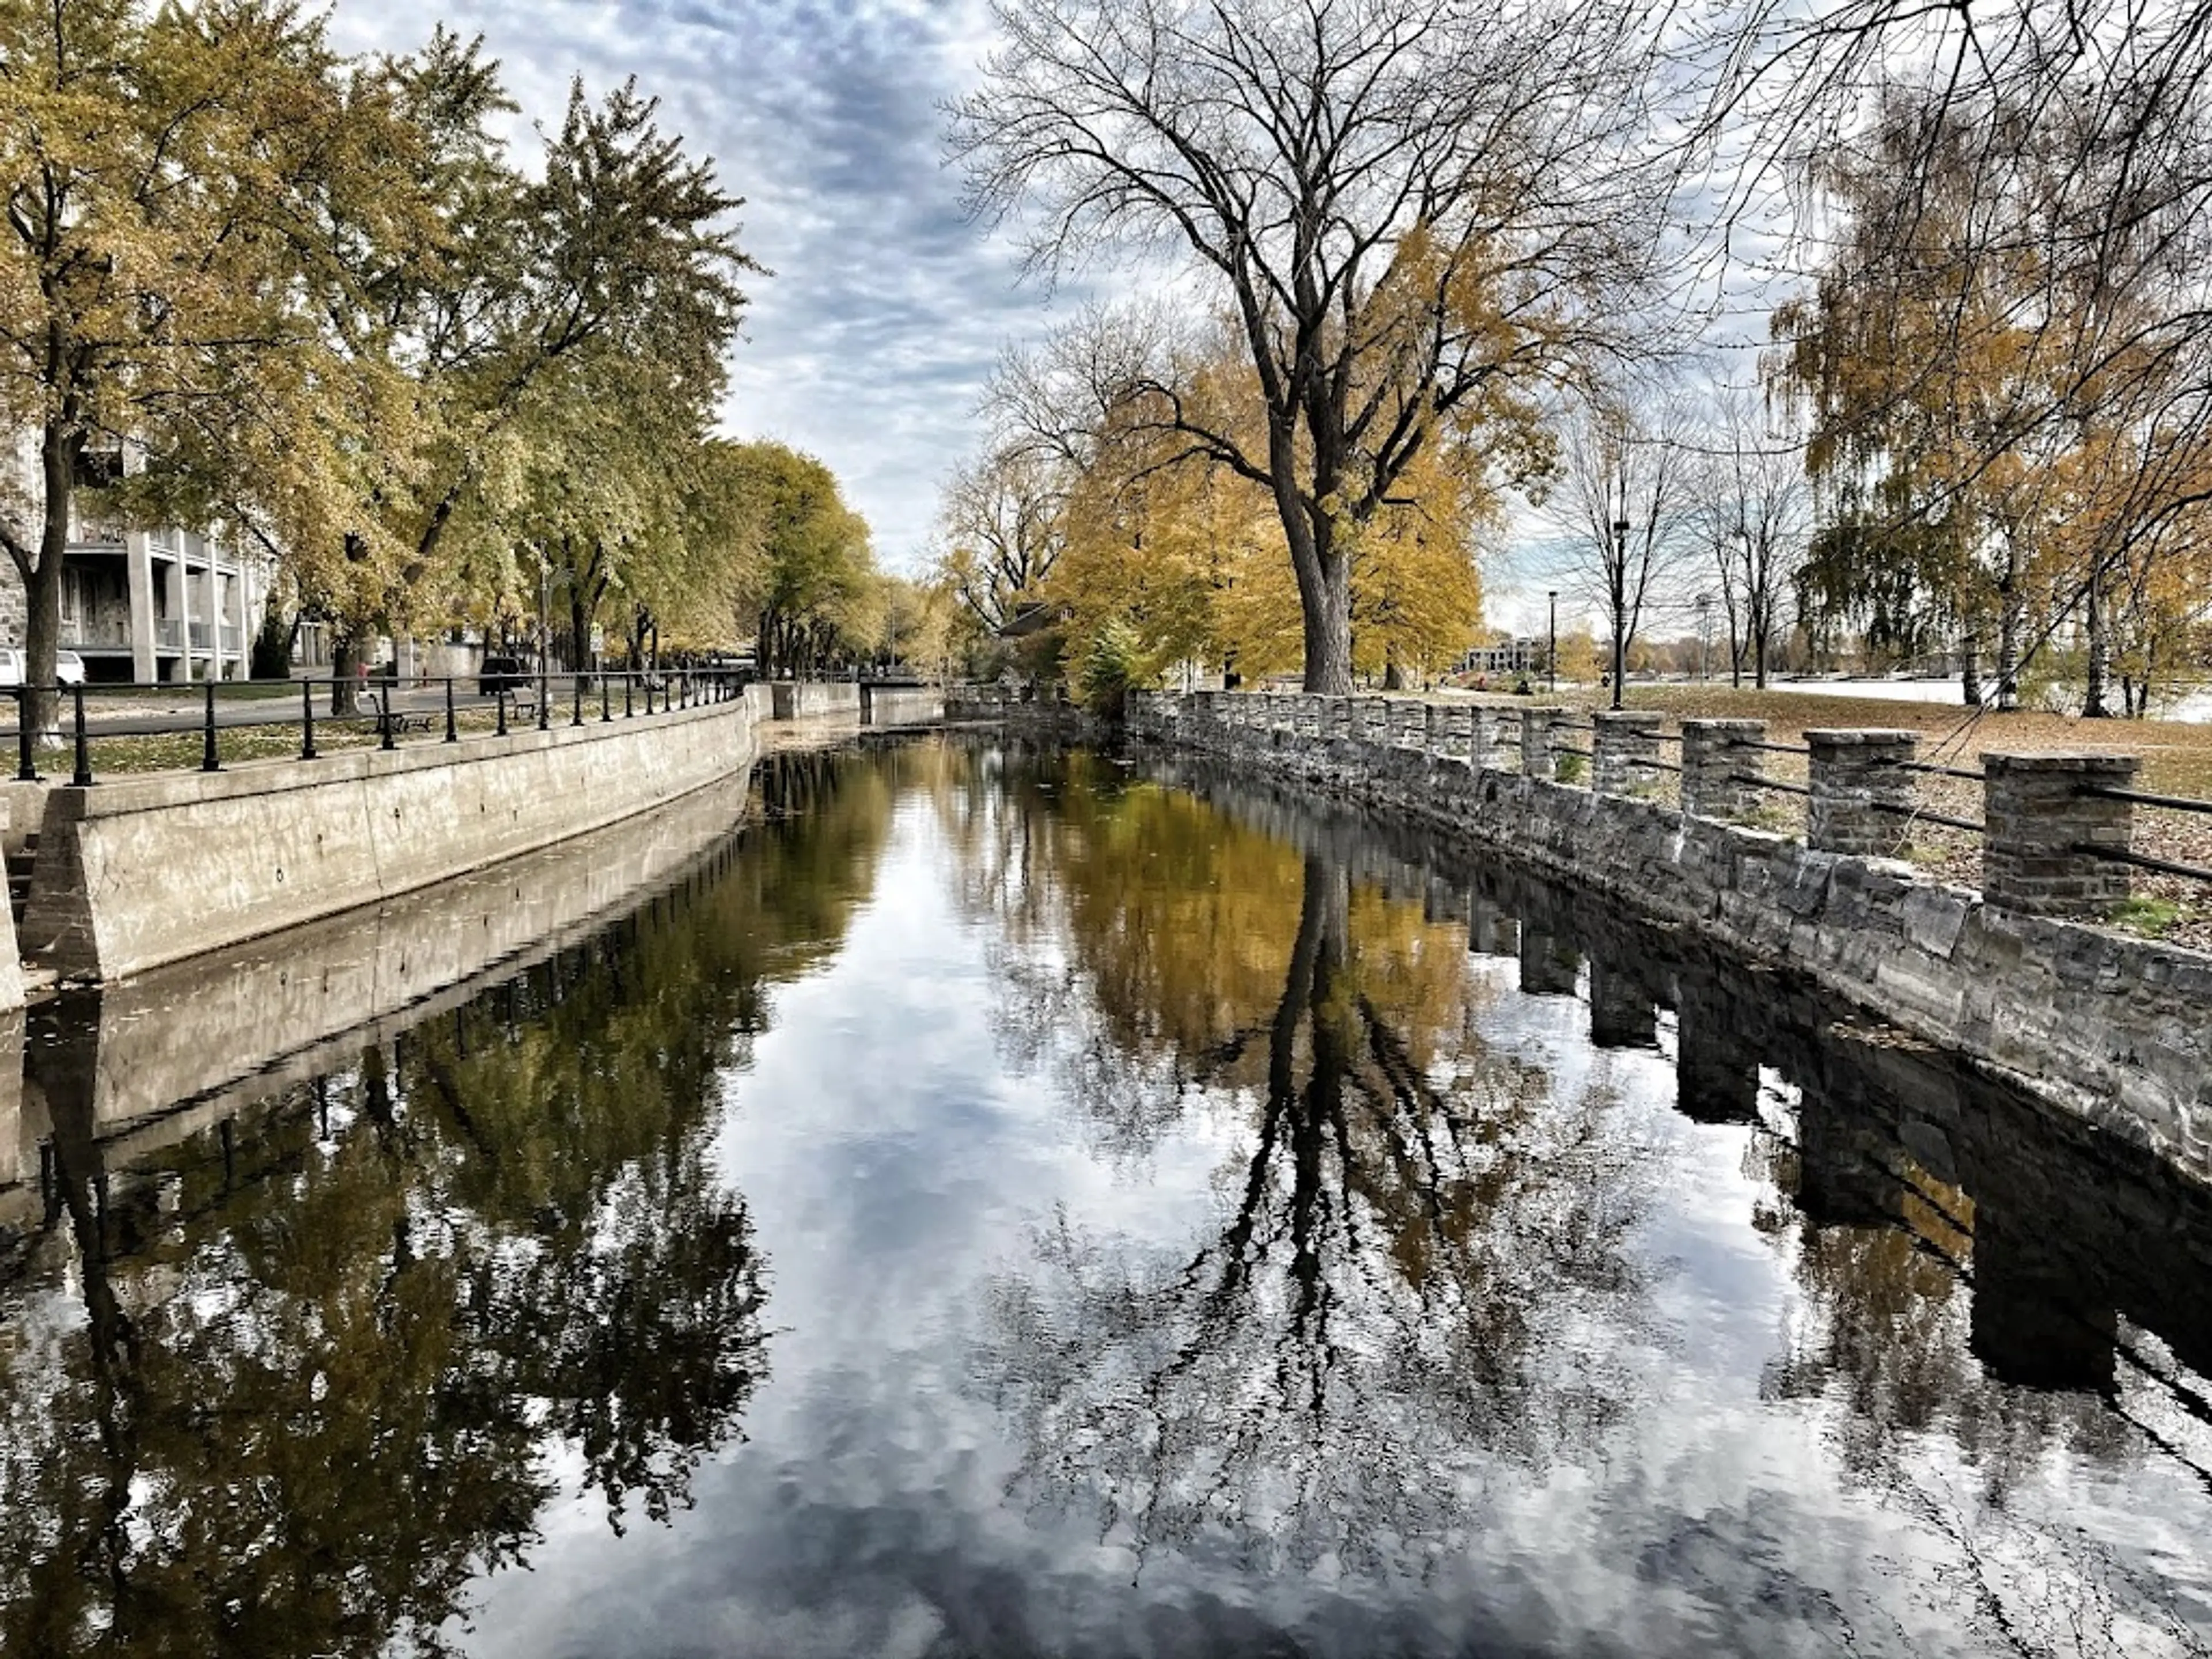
<point>1626,1490</point>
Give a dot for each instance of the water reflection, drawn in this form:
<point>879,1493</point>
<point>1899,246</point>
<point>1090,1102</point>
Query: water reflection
<point>291,1383</point>
<point>1412,1229</point>
<point>1429,1253</point>
<point>1201,1224</point>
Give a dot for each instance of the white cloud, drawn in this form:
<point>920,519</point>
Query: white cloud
<point>870,344</point>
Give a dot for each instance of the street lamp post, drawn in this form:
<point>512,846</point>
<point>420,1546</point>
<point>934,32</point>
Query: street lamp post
<point>1552,650</point>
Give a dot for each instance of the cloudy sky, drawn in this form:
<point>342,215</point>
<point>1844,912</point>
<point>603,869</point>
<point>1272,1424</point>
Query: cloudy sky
<point>869,345</point>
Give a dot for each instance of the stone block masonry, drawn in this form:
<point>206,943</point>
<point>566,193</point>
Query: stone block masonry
<point>1862,792</point>
<point>2115,1030</point>
<point>2046,817</point>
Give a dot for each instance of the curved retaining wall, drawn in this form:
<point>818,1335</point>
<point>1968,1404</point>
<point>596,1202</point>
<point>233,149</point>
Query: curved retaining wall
<point>2114,1029</point>
<point>136,873</point>
<point>291,1004</point>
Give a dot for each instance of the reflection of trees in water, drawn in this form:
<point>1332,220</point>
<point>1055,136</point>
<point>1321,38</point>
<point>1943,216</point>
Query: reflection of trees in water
<point>1418,1248</point>
<point>1926,1420</point>
<point>305,1377</point>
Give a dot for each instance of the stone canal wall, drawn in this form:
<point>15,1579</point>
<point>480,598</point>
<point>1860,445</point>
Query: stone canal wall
<point>2117,1030</point>
<point>137,873</point>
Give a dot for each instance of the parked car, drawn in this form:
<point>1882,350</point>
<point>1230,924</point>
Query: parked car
<point>502,674</point>
<point>69,667</point>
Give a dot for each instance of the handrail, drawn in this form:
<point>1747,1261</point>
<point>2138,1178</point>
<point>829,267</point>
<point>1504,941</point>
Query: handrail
<point>668,689</point>
<point>1926,814</point>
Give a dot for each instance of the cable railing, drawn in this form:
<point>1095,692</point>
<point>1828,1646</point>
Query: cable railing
<point>306,719</point>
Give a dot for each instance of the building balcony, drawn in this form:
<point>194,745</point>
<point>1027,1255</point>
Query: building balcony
<point>95,635</point>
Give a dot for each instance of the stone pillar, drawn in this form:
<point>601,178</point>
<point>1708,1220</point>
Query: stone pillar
<point>1443,901</point>
<point>1844,1177</point>
<point>2036,815</point>
<point>138,572</point>
<point>1715,1069</point>
<point>1536,760</point>
<point>1621,753</point>
<point>1409,725</point>
<point>1715,754</point>
<point>1313,714</point>
<point>1372,720</point>
<point>1336,718</point>
<point>1439,739</point>
<point>2036,1321</point>
<point>1861,790</point>
<point>1479,749</point>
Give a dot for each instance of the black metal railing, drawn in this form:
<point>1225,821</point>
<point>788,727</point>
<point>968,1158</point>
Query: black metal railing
<point>441,709</point>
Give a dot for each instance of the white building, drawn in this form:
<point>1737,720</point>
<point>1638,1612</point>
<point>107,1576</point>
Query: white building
<point>166,604</point>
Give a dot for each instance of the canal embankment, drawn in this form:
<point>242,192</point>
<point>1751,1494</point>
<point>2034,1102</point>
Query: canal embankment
<point>133,874</point>
<point>2019,975</point>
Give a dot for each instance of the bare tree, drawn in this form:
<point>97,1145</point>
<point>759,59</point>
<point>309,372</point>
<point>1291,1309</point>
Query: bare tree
<point>1752,518</point>
<point>1623,504</point>
<point>1414,209</point>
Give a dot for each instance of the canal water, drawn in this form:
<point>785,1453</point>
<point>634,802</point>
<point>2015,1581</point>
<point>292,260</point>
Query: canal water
<point>1001,1201</point>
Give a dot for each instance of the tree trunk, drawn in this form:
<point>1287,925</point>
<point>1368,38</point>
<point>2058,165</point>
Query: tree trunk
<point>2009,624</point>
<point>1620,647</point>
<point>42,584</point>
<point>1970,672</point>
<point>1324,580</point>
<point>579,631</point>
<point>2094,704</point>
<point>1325,602</point>
<point>345,671</point>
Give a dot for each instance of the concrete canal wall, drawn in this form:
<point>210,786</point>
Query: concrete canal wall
<point>137,873</point>
<point>292,1005</point>
<point>810,700</point>
<point>900,705</point>
<point>2116,1029</point>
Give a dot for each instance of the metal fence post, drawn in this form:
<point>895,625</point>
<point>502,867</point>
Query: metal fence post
<point>452,726</point>
<point>210,760</point>
<point>307,720</point>
<point>388,738</point>
<point>83,777</point>
<point>27,764</point>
